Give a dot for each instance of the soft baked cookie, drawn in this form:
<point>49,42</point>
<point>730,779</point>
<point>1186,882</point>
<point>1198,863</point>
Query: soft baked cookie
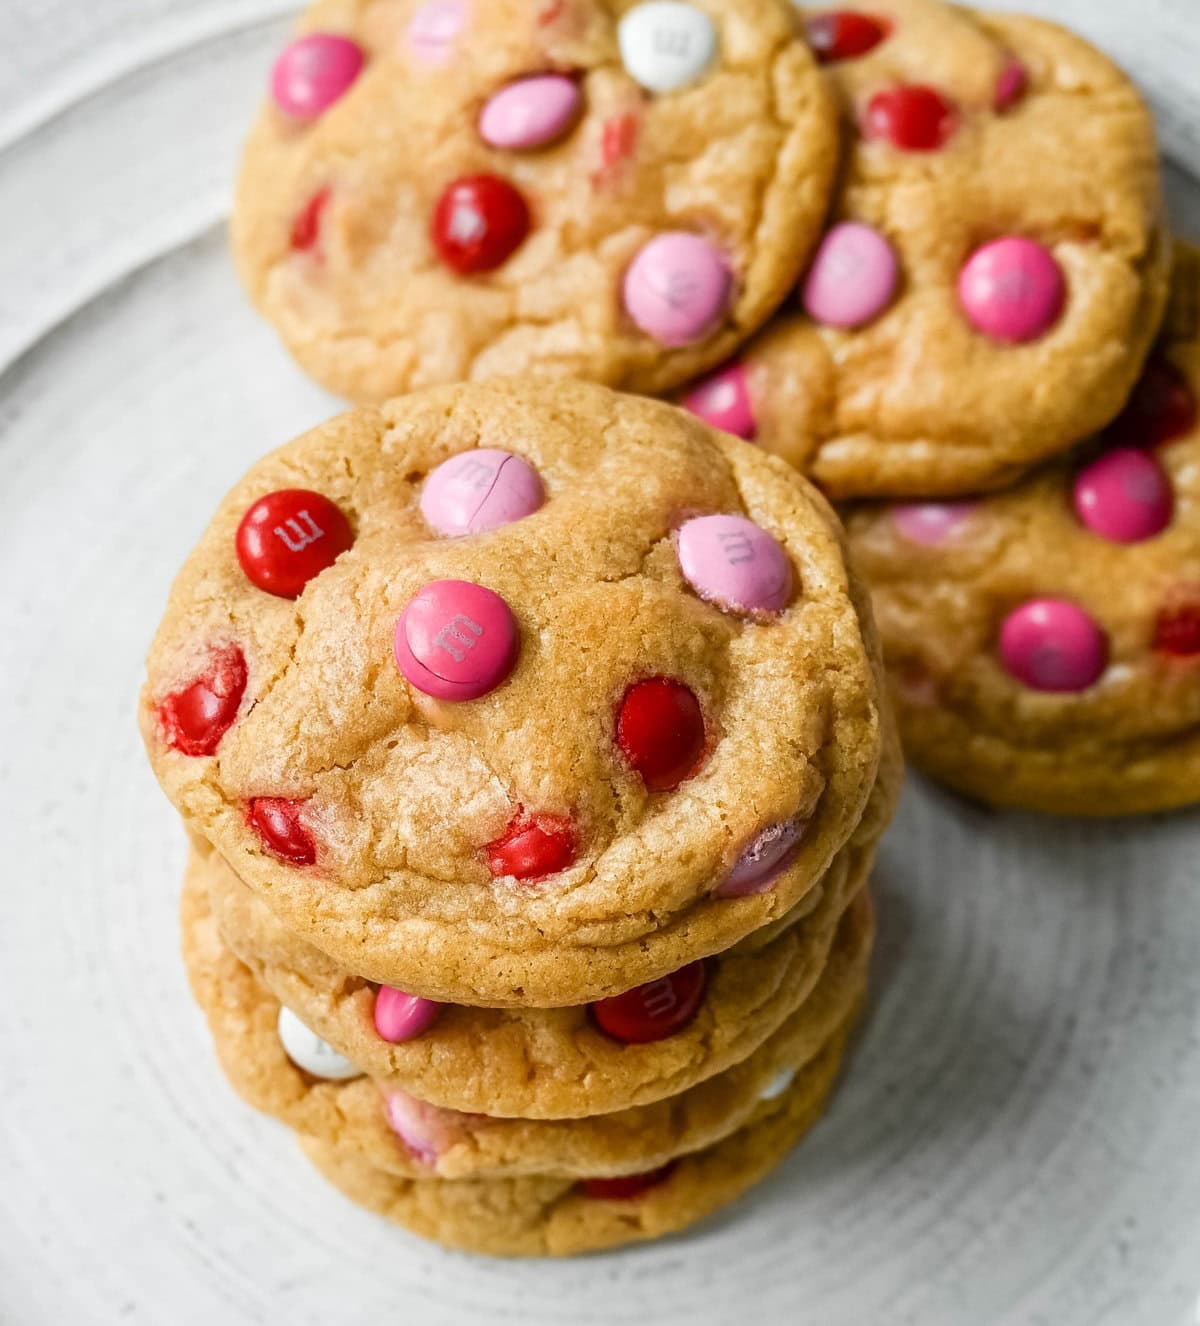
<point>1044,643</point>
<point>279,1066</point>
<point>619,190</point>
<point>538,1217</point>
<point>994,273</point>
<point>517,694</point>
<point>649,1043</point>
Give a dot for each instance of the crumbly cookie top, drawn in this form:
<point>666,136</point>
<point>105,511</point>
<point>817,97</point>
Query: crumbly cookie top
<point>537,764</point>
<point>620,190</point>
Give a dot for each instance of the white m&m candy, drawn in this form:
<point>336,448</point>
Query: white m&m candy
<point>308,1051</point>
<point>666,44</point>
<point>778,1084</point>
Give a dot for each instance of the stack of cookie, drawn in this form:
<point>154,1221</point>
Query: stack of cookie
<point>532,749</point>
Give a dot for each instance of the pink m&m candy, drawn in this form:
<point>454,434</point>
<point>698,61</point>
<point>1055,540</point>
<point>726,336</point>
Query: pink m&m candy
<point>1125,496</point>
<point>929,524</point>
<point>400,1017</point>
<point>434,29</point>
<point>853,278</point>
<point>1010,85</point>
<point>730,561</point>
<point>530,113</point>
<point>456,640</point>
<point>761,863</point>
<point>1052,645</point>
<point>479,491</point>
<point>313,72</point>
<point>723,401</point>
<point>1012,289</point>
<point>677,288</point>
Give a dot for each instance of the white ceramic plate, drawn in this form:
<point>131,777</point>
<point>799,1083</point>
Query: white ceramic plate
<point>1016,1141</point>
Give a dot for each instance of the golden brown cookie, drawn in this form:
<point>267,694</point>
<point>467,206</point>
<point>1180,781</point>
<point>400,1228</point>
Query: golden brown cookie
<point>514,694</point>
<point>445,190</point>
<point>279,1067</point>
<point>539,1217</point>
<point>1044,642</point>
<point>568,1062</point>
<point>994,275</point>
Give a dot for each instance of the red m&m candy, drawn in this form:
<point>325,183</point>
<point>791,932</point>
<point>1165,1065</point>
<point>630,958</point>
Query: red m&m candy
<point>660,729</point>
<point>843,34</point>
<point>656,1010</point>
<point>288,538</point>
<point>532,847</point>
<point>1161,408</point>
<point>479,223</point>
<point>306,228</point>
<point>913,118</point>
<point>196,717</point>
<point>278,823</point>
<point>1177,629</point>
<point>627,1186</point>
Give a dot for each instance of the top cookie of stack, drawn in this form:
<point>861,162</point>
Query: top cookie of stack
<point>632,720</point>
<point>618,191</point>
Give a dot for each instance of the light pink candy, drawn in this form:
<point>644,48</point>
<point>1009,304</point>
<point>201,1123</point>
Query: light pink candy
<point>677,288</point>
<point>723,401</point>
<point>929,524</point>
<point>455,640</point>
<point>730,561</point>
<point>479,491</point>
<point>531,112</point>
<point>1012,289</point>
<point>853,277</point>
<point>1052,645</point>
<point>415,1123</point>
<point>434,29</point>
<point>313,72</point>
<point>400,1017</point>
<point>764,860</point>
<point>1011,84</point>
<point>1124,497</point>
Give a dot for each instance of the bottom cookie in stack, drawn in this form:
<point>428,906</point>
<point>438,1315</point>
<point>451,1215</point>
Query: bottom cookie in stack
<point>548,1186</point>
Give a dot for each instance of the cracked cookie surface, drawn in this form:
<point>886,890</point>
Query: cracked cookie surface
<point>447,191</point>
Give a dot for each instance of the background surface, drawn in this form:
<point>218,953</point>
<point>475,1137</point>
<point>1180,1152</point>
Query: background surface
<point>1016,1142</point>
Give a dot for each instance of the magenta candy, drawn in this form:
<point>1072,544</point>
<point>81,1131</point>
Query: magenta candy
<point>434,29</point>
<point>723,400</point>
<point>1010,85</point>
<point>853,277</point>
<point>764,860</point>
<point>456,640</point>
<point>1124,497</point>
<point>1012,289</point>
<point>530,113</point>
<point>929,524</point>
<point>1053,645</point>
<point>313,72</point>
<point>677,288</point>
<point>479,491</point>
<point>731,562</point>
<point>400,1017</point>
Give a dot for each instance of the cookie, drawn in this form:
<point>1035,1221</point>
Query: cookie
<point>618,190</point>
<point>994,272</point>
<point>646,1045</point>
<point>574,691</point>
<point>1044,643</point>
<point>541,1216</point>
<point>281,1067</point>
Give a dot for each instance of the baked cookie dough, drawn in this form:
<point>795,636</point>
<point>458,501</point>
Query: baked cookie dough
<point>618,190</point>
<point>278,1065</point>
<point>521,695</point>
<point>556,1217</point>
<point>994,273</point>
<point>1044,643</point>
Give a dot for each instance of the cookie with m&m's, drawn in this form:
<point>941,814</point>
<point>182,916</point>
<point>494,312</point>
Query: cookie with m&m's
<point>591,694</point>
<point>1044,643</point>
<point>283,1068</point>
<point>995,267</point>
<point>445,190</point>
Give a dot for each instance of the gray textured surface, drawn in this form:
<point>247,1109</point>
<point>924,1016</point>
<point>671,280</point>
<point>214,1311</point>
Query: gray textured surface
<point>1016,1141</point>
